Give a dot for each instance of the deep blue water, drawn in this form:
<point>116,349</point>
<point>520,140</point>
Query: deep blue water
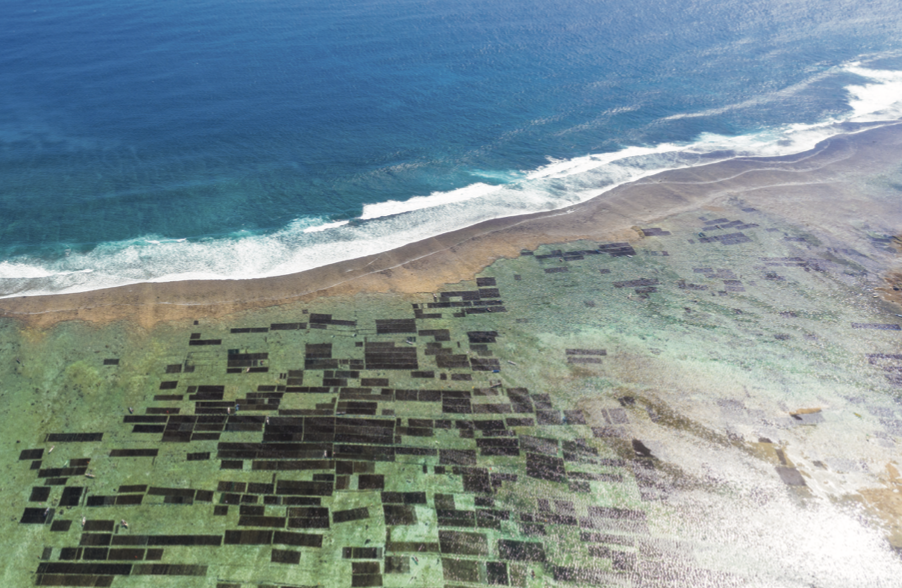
<point>172,139</point>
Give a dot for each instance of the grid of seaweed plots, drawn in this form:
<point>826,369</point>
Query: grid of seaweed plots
<point>417,444</point>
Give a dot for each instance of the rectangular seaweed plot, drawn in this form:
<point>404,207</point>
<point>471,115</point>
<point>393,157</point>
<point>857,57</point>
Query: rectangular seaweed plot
<point>390,326</point>
<point>463,543</point>
<point>544,467</point>
<point>168,570</point>
<point>287,326</point>
<point>71,496</point>
<point>485,364</point>
<point>354,514</point>
<point>297,539</point>
<point>31,454</point>
<point>35,516</point>
<point>396,514</point>
<point>105,569</point>
<point>448,361</point>
<point>248,537</point>
<point>521,551</point>
<point>482,336</point>
<point>286,556</point>
<point>385,356</point>
<point>617,249</point>
<point>134,452</point>
<point>583,360</point>
<point>459,570</point>
<point>300,488</point>
<point>326,319</point>
<point>74,437</point>
<point>318,351</point>
<point>637,283</point>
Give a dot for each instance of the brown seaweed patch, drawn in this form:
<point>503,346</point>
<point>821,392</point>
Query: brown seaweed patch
<point>886,504</point>
<point>891,290</point>
<point>666,416</point>
<point>896,243</point>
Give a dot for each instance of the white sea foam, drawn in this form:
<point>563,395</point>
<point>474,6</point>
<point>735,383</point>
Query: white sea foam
<point>879,100</point>
<point>18,271</point>
<point>325,226</point>
<point>311,242</point>
<point>371,211</point>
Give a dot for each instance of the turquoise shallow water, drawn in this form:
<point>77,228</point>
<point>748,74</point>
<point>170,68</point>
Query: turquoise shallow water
<point>212,139</point>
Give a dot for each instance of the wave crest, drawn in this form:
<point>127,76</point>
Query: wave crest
<point>312,242</point>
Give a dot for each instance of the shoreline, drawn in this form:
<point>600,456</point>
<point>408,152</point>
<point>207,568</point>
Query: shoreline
<point>796,187</point>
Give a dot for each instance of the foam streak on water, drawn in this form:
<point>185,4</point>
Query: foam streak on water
<point>314,241</point>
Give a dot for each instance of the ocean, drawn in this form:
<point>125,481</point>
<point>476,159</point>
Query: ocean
<point>207,139</point>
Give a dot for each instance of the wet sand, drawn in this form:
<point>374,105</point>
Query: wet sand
<point>821,188</point>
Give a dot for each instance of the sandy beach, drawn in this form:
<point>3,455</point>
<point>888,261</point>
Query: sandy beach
<point>820,188</point>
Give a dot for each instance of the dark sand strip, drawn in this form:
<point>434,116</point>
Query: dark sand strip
<point>816,188</point>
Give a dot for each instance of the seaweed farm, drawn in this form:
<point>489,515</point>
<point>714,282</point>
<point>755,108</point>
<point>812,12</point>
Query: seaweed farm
<point>713,403</point>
